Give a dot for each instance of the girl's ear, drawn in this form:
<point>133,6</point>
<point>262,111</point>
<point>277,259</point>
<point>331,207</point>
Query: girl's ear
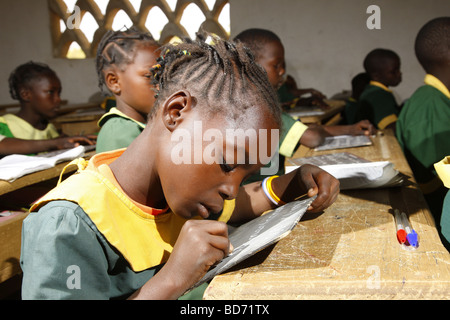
<point>112,82</point>
<point>24,94</point>
<point>175,107</point>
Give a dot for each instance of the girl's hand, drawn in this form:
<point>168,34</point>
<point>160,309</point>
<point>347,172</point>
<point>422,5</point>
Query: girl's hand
<point>316,181</point>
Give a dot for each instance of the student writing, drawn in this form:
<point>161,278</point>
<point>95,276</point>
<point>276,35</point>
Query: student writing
<point>133,212</point>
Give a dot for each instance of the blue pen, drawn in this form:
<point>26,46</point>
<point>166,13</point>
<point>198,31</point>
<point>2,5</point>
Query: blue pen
<point>411,235</point>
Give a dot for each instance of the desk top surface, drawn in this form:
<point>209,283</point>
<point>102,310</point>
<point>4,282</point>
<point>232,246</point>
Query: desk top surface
<point>350,251</point>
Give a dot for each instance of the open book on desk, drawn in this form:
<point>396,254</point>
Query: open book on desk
<point>15,166</point>
<point>354,172</point>
<point>344,141</point>
<point>259,233</point>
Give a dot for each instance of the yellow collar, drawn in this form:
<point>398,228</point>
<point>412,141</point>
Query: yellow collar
<point>443,170</point>
<point>114,111</point>
<point>436,83</point>
<point>380,85</point>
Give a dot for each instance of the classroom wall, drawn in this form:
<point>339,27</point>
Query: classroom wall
<point>24,36</point>
<point>325,40</point>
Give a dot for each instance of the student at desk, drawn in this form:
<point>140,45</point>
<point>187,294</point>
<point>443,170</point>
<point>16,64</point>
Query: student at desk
<point>423,126</point>
<point>152,238</point>
<point>377,103</point>
<point>269,53</point>
<point>123,61</point>
<point>38,89</point>
<point>359,83</point>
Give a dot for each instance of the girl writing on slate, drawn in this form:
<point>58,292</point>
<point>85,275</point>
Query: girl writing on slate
<point>138,223</point>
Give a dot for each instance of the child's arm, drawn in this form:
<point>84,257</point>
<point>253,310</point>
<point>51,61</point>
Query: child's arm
<point>306,180</point>
<point>21,146</point>
<point>364,127</point>
<point>313,136</point>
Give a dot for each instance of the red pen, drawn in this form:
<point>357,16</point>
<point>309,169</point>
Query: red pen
<point>401,233</point>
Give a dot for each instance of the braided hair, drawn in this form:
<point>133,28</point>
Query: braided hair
<point>119,48</point>
<point>24,74</point>
<point>223,74</point>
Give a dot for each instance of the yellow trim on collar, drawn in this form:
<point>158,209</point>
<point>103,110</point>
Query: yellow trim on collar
<point>443,170</point>
<point>115,111</point>
<point>436,83</point>
<point>387,121</point>
<point>380,85</point>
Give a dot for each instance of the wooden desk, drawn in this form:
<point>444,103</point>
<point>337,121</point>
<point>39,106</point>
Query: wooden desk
<point>330,115</point>
<point>349,251</point>
<point>79,120</point>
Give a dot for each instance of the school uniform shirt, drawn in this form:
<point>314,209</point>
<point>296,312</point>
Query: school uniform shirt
<point>290,134</point>
<point>350,111</point>
<point>86,239</point>
<point>12,126</point>
<point>423,131</point>
<point>378,105</point>
<point>443,170</point>
<point>117,130</point>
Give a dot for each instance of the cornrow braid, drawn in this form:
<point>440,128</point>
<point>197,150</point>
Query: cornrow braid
<point>118,48</point>
<point>223,74</point>
<point>25,73</point>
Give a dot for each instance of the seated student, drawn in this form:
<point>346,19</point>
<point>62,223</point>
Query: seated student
<point>38,89</point>
<point>123,61</point>
<point>443,171</point>
<point>423,128</point>
<point>269,53</point>
<point>128,225</point>
<point>359,83</point>
<point>290,95</point>
<point>377,103</point>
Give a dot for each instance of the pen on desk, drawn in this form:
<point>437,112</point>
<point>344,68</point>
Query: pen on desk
<point>411,235</point>
<point>401,233</point>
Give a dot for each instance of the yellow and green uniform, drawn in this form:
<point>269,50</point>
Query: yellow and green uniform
<point>423,131</point>
<point>86,239</point>
<point>378,105</point>
<point>117,131</point>
<point>12,126</point>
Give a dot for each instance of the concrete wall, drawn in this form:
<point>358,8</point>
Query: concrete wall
<point>325,40</point>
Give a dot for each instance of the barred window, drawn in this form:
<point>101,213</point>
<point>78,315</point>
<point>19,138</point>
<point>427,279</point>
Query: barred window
<point>77,26</point>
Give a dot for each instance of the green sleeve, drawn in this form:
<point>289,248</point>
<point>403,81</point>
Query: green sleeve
<point>61,257</point>
<point>4,130</point>
<point>117,133</point>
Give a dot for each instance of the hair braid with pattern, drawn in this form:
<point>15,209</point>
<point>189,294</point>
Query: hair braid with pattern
<point>118,48</point>
<point>223,74</point>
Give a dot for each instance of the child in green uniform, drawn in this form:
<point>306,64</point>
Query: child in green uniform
<point>123,62</point>
<point>377,103</point>
<point>423,127</point>
<point>269,53</point>
<point>359,83</point>
<point>138,223</point>
<point>37,88</point>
